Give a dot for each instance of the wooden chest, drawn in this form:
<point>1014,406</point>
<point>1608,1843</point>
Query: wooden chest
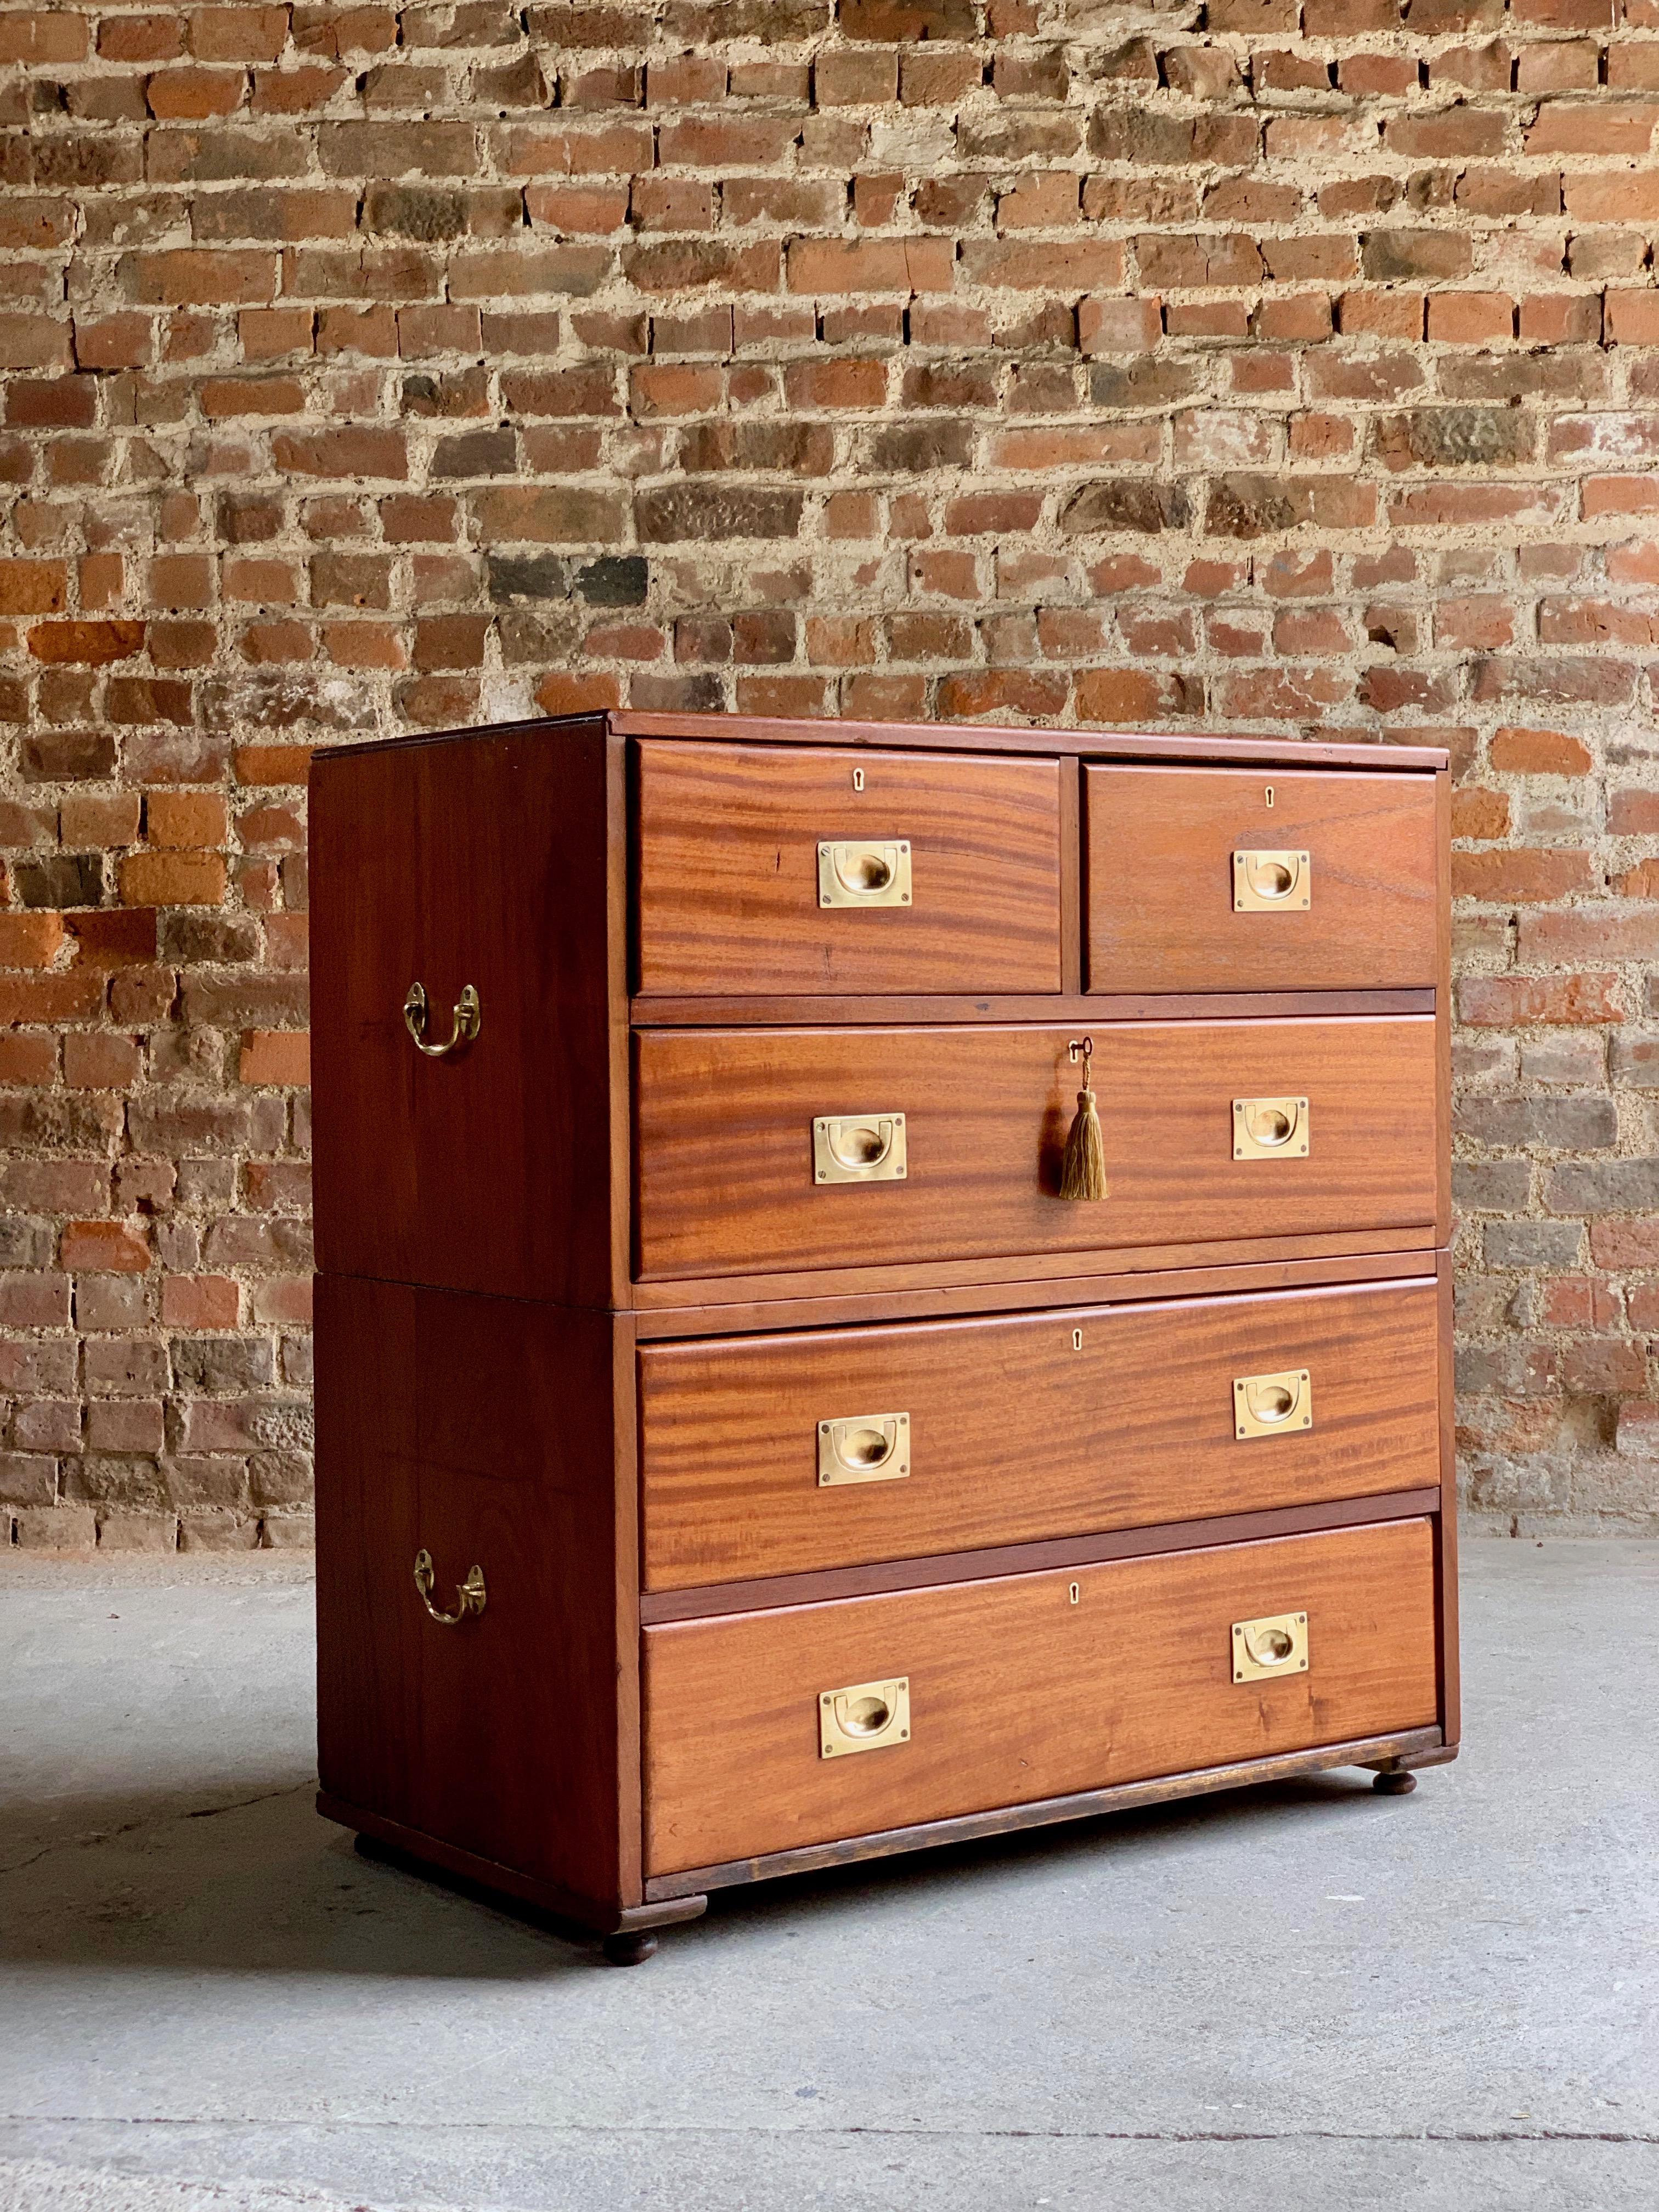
<point>734,1453</point>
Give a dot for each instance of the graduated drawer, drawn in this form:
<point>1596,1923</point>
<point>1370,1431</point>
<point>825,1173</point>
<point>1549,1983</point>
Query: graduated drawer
<point>830,1447</point>
<point>822,868</point>
<point>1018,1690</point>
<point>730,1153</point>
<point>1196,882</point>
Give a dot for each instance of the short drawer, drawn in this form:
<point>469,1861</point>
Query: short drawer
<point>820,868</point>
<point>1027,1687</point>
<point>1248,879</point>
<point>743,1139</point>
<point>830,1447</point>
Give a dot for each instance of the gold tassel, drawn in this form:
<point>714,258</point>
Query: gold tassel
<point>1082,1165</point>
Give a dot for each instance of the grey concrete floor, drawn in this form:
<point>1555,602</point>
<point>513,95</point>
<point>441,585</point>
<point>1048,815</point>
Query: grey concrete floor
<point>1280,1997</point>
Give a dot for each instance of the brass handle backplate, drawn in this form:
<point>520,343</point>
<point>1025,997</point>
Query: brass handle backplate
<point>469,1020</point>
<point>1270,1128</point>
<point>1277,1645</point>
<point>1266,882</point>
<point>859,1148</point>
<point>1273,1405</point>
<point>860,872</point>
<point>864,1717</point>
<point>469,1594</point>
<point>864,1448</point>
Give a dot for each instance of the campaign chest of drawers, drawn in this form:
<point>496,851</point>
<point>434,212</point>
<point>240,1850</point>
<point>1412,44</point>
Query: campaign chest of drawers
<point>735,1455</point>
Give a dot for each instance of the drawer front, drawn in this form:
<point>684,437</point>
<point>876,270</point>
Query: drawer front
<point>740,847</point>
<point>1015,1692</point>
<point>1197,884</point>
<point>728,1163</point>
<point>778,1455</point>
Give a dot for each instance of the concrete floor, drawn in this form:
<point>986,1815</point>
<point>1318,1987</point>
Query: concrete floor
<point>1284,1998</point>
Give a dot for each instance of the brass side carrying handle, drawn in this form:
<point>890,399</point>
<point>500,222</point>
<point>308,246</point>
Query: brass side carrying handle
<point>864,1448</point>
<point>859,1148</point>
<point>865,872</point>
<point>864,1717</point>
<point>1276,1645</point>
<point>469,1020</point>
<point>1265,881</point>
<point>469,1594</point>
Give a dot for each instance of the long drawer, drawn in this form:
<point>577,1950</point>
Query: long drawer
<point>828,1448</point>
<point>1003,1692</point>
<point>828,868</point>
<point>1260,879</point>
<point>780,1149</point>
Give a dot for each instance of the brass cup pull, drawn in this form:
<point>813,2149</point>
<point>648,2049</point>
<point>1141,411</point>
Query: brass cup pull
<point>1277,1645</point>
<point>864,1717</point>
<point>864,1448</point>
<point>468,1019</point>
<point>1270,1128</point>
<point>859,1148</point>
<point>860,873</point>
<point>469,1594</point>
<point>1265,881</point>
<point>1273,1405</point>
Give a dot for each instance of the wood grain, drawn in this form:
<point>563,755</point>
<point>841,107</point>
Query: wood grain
<point>485,860</point>
<point>723,1121</point>
<point>1161,913</point>
<point>732,1316</point>
<point>727,1012</point>
<point>479,1430</point>
<point>727,839</point>
<point>1014,1433</point>
<point>924,1569</point>
<point>1409,1748</point>
<point>1017,1694</point>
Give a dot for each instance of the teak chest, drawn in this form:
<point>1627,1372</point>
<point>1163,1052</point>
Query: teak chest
<point>734,1453</point>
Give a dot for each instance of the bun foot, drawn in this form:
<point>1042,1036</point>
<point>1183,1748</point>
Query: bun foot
<point>1393,1784</point>
<point>629,1949</point>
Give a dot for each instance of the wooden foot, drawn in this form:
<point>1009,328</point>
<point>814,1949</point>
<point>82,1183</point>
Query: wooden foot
<point>630,1947</point>
<point>1387,1784</point>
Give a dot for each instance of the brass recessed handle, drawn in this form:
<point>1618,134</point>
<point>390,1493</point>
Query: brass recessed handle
<point>1266,881</point>
<point>1270,1128</point>
<point>864,1717</point>
<point>859,1148</point>
<point>1277,1645</point>
<point>1273,1405</point>
<point>469,1594</point>
<point>864,1448</point>
<point>468,1019</point>
<point>861,873</point>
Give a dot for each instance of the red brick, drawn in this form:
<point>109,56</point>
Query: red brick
<point>103,1247</point>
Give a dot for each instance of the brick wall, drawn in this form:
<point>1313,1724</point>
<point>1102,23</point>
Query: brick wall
<point>1285,365</point>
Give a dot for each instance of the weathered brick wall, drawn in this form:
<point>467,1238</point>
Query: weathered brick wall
<point>1276,364</point>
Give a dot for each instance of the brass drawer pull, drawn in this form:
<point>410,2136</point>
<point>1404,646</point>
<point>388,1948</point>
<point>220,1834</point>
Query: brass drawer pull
<point>864,1717</point>
<point>864,1448</point>
<point>1270,1128</point>
<point>865,874</point>
<point>1275,1645</point>
<point>1264,881</point>
<point>859,1148</point>
<point>1273,1405</point>
<point>468,1019</point>
<point>469,1594</point>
